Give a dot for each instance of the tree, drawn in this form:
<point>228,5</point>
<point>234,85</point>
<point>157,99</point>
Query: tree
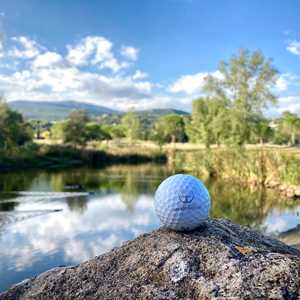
<point>261,129</point>
<point>245,85</point>
<point>75,131</point>
<point>14,131</point>
<point>116,131</point>
<point>209,121</point>
<point>170,128</point>
<point>132,126</point>
<point>289,125</point>
<point>96,132</point>
<point>58,130</point>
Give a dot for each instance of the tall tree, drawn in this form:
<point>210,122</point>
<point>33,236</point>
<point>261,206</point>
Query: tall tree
<point>132,125</point>
<point>75,129</point>
<point>245,83</point>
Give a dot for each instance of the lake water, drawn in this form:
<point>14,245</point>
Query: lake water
<point>41,227</point>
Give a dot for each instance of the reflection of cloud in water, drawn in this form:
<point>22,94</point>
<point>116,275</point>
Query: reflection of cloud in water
<point>104,225</point>
<point>281,220</point>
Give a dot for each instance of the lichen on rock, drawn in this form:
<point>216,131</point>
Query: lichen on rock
<point>219,260</point>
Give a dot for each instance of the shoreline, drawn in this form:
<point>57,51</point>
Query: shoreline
<point>57,157</point>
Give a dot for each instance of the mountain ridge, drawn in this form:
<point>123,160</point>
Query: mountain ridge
<point>59,110</point>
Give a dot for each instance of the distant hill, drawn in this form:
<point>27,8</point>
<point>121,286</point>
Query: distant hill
<point>56,110</point>
<point>59,110</point>
<point>162,111</point>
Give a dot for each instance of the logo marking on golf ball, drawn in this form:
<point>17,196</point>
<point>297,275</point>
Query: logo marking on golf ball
<point>186,197</point>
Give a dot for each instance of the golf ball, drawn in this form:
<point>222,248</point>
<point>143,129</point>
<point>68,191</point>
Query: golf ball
<point>182,202</point>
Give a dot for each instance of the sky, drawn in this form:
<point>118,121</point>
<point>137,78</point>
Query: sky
<point>140,54</point>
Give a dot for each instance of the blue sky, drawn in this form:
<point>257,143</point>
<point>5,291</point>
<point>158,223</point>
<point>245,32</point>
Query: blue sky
<point>139,54</point>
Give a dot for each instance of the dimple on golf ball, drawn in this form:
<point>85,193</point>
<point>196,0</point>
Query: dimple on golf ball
<point>182,202</point>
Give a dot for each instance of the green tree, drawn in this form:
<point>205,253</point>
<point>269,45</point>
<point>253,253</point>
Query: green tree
<point>116,131</point>
<point>170,128</point>
<point>289,125</point>
<point>75,130</point>
<point>132,126</point>
<point>14,131</point>
<point>261,130</point>
<point>96,132</point>
<point>245,84</point>
<point>209,121</point>
<point>57,130</point>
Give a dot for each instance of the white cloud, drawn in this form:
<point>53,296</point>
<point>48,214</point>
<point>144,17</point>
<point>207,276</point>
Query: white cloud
<point>48,75</point>
<point>281,84</point>
<point>48,59</point>
<point>286,81</point>
<point>294,47</point>
<point>72,83</point>
<point>94,50</point>
<point>25,48</point>
<point>139,75</point>
<point>189,84</point>
<point>290,103</point>
<point>130,53</point>
<point>192,84</point>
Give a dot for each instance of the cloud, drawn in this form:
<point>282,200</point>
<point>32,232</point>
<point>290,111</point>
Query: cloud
<point>192,84</point>
<point>189,84</point>
<point>25,48</point>
<point>94,50</point>
<point>290,103</point>
<point>139,75</point>
<point>130,53</point>
<point>72,83</point>
<point>34,72</point>
<point>286,80</point>
<point>294,47</point>
<point>48,59</point>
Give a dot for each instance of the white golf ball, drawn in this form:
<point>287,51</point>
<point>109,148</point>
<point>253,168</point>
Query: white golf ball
<point>182,202</point>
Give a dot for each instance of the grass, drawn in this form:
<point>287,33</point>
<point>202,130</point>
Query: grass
<point>252,165</point>
<point>61,156</point>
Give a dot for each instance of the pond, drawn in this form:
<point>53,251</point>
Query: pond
<point>57,218</point>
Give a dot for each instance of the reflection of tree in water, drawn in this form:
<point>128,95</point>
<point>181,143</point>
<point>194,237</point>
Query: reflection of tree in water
<point>128,181</point>
<point>130,191</point>
<point>16,181</point>
<point>242,204</point>
<point>77,204</point>
<point>137,180</point>
<point>7,206</point>
<point>11,182</point>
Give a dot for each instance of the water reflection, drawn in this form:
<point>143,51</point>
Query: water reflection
<point>36,236</point>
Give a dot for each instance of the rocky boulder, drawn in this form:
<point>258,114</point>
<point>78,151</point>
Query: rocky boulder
<point>219,260</point>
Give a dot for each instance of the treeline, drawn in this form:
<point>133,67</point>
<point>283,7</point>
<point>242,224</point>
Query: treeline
<point>208,124</point>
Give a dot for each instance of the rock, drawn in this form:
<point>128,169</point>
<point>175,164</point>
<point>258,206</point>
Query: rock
<point>283,187</point>
<point>297,191</point>
<point>219,260</point>
<point>273,184</point>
